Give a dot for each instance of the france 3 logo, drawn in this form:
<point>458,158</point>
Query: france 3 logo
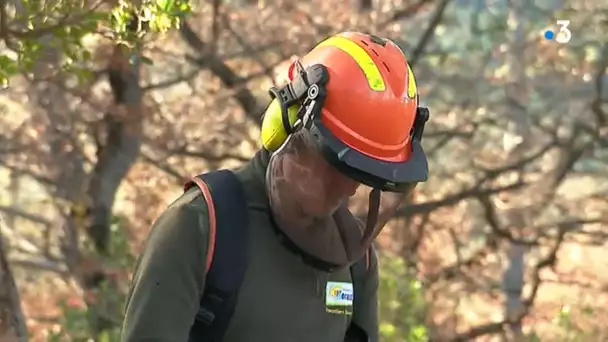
<point>563,35</point>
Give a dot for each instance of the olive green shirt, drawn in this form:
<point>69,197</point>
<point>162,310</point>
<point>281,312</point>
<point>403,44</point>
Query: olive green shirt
<point>281,299</point>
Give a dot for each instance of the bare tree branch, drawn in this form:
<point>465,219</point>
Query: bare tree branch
<point>23,214</point>
<point>168,169</point>
<point>230,80</point>
<point>405,13</point>
<point>600,79</point>
<point>450,200</point>
<point>428,32</point>
<point>496,327</point>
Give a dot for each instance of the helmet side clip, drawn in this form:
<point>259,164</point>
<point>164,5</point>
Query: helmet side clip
<point>422,116</point>
<point>306,88</point>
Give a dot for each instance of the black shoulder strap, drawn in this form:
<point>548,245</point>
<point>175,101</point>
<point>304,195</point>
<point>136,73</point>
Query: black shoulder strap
<point>358,271</point>
<point>229,262</point>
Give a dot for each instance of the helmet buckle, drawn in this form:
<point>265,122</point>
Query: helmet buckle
<point>422,116</point>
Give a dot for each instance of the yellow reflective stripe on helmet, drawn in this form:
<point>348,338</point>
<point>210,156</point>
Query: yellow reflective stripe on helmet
<point>366,63</point>
<point>412,90</point>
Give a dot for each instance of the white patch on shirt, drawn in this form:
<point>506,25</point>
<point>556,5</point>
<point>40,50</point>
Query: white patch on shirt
<point>339,294</point>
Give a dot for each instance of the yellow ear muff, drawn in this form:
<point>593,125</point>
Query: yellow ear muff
<point>273,133</point>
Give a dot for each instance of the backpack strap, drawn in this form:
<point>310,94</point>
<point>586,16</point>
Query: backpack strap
<point>359,274</point>
<point>226,255</point>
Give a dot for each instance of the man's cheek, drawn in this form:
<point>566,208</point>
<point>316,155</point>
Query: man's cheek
<point>292,170</point>
<point>314,187</point>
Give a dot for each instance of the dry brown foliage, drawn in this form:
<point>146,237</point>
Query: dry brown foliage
<point>517,136</point>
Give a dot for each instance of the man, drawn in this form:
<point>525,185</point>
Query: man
<point>348,119</point>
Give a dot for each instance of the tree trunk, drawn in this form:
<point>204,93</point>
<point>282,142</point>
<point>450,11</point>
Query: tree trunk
<point>516,92</point>
<point>12,321</point>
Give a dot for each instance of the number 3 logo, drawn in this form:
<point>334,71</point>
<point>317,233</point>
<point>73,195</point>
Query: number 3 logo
<point>564,35</point>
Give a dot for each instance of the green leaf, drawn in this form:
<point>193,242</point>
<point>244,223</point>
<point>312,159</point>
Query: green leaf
<point>166,5</point>
<point>3,82</point>
<point>8,66</point>
<point>104,337</point>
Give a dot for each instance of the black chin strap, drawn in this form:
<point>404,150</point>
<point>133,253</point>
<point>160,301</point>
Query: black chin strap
<point>372,216</point>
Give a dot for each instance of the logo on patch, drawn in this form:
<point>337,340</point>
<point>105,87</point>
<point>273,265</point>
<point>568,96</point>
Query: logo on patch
<point>339,294</point>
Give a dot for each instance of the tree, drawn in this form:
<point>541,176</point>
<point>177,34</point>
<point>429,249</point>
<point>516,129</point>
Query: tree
<point>516,141</point>
<point>12,321</point>
<point>27,28</point>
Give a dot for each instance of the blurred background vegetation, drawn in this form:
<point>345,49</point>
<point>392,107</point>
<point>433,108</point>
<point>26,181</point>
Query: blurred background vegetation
<point>107,106</point>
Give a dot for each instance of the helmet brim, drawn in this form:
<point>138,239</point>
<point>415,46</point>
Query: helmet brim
<point>382,175</point>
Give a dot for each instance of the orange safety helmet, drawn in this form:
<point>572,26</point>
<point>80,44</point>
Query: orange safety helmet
<point>366,112</point>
